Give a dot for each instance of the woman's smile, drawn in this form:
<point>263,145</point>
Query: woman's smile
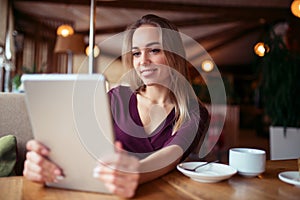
<point>149,59</point>
<point>148,71</point>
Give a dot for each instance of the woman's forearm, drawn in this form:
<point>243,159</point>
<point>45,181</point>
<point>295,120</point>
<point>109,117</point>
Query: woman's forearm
<point>159,163</point>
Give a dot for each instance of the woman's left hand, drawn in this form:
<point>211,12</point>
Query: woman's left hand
<point>120,175</point>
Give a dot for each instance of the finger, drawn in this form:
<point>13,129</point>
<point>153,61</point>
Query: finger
<point>122,162</point>
<point>121,184</point>
<point>33,145</point>
<point>102,170</point>
<point>121,191</point>
<point>130,164</point>
<point>37,173</point>
<point>118,182</point>
<point>115,176</point>
<point>47,166</point>
<point>31,174</point>
<point>40,165</point>
<point>118,146</point>
<point>127,163</point>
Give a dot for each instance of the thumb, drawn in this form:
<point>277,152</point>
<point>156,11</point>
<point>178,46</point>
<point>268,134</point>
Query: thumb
<point>118,147</point>
<point>33,145</point>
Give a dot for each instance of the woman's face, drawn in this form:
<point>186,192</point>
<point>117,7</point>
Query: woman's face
<point>149,59</point>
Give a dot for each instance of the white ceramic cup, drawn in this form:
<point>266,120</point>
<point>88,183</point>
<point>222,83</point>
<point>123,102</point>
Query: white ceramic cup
<point>248,161</point>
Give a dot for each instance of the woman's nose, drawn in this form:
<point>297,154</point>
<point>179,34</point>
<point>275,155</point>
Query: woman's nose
<point>144,59</point>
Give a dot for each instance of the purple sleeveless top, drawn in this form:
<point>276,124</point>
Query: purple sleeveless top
<point>130,132</point>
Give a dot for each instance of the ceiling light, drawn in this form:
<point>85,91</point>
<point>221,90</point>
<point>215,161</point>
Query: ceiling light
<point>96,51</point>
<point>295,8</point>
<point>65,30</point>
<point>261,49</point>
<point>207,65</point>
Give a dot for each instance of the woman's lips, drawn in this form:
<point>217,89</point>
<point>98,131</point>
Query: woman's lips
<point>147,72</point>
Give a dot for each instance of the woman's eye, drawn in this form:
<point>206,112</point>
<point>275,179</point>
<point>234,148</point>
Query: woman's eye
<point>155,50</point>
<point>135,54</point>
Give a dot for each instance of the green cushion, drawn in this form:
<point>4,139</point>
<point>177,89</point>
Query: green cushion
<point>8,155</point>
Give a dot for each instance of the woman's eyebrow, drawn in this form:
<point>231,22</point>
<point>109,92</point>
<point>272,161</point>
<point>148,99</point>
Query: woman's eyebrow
<point>147,45</point>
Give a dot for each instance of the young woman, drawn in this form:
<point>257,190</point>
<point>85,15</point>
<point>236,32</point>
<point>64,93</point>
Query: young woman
<point>158,119</point>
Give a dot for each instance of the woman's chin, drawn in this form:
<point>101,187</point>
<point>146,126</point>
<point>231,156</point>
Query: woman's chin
<point>155,81</point>
<point>148,84</point>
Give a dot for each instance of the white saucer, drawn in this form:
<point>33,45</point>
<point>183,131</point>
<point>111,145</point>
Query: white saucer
<point>211,173</point>
<point>291,177</point>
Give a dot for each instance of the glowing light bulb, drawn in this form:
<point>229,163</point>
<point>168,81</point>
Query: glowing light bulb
<point>96,51</point>
<point>261,49</point>
<point>65,30</point>
<point>295,8</point>
<point>207,65</point>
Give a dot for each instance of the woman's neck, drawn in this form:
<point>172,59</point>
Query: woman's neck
<point>157,94</point>
<point>154,105</point>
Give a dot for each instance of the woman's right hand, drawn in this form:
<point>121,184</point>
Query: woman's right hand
<point>37,166</point>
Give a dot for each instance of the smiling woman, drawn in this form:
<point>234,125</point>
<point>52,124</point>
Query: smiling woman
<point>149,59</point>
<point>158,120</point>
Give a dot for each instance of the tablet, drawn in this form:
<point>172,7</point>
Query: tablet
<point>70,114</point>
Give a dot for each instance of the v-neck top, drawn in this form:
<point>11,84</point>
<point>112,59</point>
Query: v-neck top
<point>130,132</point>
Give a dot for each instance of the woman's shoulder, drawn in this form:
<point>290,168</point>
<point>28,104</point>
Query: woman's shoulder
<point>120,91</point>
<point>120,88</point>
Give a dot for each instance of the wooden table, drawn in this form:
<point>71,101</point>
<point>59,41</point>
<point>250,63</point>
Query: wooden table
<point>172,186</point>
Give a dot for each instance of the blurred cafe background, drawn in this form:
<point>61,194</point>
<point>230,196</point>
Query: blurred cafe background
<point>254,45</point>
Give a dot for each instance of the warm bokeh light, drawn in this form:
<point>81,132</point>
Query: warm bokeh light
<point>295,8</point>
<point>261,49</point>
<point>207,65</point>
<point>65,30</point>
<point>96,51</point>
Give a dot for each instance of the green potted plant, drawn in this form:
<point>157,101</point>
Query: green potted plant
<point>280,91</point>
<point>16,81</point>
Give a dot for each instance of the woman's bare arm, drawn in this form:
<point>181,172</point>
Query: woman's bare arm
<point>160,163</point>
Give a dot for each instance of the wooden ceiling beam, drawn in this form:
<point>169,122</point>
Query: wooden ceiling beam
<point>247,12</point>
<point>223,14</point>
<point>200,21</point>
<point>228,31</point>
<point>31,22</point>
<point>74,2</point>
<point>226,11</point>
<point>105,30</point>
<point>235,36</point>
<point>228,37</point>
<point>33,25</point>
<point>183,23</point>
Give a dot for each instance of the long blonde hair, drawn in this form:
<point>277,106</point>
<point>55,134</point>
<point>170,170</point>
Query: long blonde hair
<point>181,89</point>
